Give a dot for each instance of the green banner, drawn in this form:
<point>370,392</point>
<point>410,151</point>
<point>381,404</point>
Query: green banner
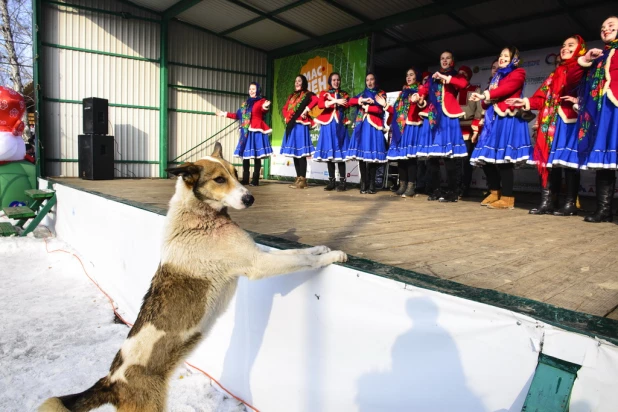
<point>349,59</point>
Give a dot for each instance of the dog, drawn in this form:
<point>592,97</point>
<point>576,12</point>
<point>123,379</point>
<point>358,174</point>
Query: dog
<point>204,252</point>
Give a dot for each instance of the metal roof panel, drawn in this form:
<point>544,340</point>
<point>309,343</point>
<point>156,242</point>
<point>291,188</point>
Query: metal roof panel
<point>428,27</point>
<point>267,35</point>
<point>319,17</point>
<point>158,5</point>
<point>374,10</point>
<point>216,15</point>
<point>498,10</point>
<point>268,6</point>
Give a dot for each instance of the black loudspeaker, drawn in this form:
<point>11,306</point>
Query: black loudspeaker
<point>95,115</point>
<point>96,156</point>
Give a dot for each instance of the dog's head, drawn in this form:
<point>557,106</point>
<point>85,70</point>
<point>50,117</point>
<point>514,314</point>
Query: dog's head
<point>214,181</point>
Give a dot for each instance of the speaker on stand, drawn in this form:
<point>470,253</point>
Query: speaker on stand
<point>95,147</point>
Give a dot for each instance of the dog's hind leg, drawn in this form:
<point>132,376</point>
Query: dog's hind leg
<point>266,264</point>
<point>315,250</point>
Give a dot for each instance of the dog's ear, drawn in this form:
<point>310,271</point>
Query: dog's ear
<point>190,172</point>
<point>218,152</point>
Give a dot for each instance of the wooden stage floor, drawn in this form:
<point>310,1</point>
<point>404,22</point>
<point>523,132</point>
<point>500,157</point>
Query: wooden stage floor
<point>561,261</point>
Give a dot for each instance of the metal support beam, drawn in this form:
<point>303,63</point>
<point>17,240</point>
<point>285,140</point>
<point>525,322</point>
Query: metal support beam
<point>178,8</point>
<point>163,100</point>
<point>415,14</point>
<point>267,16</point>
<point>38,88</point>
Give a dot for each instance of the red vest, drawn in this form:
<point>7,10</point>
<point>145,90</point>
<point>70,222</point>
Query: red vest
<point>450,104</point>
<point>328,113</point>
<point>374,115</point>
<point>510,86</point>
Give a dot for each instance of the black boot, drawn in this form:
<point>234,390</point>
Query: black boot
<point>572,187</point>
<point>331,184</point>
<point>449,197</point>
<point>245,177</point>
<point>402,187</point>
<point>546,206</point>
<point>435,195</point>
<point>341,187</point>
<point>373,168</point>
<point>255,180</point>
<point>363,188</point>
<point>605,196</point>
<point>410,189</point>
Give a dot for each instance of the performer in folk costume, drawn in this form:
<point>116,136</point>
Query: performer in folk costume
<point>12,108</point>
<point>333,139</point>
<point>556,142</point>
<point>254,141</point>
<point>505,139</point>
<point>441,135</point>
<point>597,122</point>
<point>297,140</point>
<point>404,134</point>
<point>423,180</point>
<point>368,144</point>
<point>471,123</point>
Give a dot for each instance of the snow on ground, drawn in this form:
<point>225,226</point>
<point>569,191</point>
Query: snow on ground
<point>58,335</point>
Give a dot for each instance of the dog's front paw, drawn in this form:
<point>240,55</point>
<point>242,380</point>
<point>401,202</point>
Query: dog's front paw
<point>337,256</point>
<point>319,250</point>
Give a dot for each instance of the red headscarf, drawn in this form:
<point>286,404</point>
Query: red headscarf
<point>554,88</point>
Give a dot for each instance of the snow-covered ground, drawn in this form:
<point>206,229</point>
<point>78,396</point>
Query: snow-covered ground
<point>58,334</point>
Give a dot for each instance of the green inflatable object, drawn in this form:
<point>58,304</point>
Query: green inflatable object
<point>15,179</point>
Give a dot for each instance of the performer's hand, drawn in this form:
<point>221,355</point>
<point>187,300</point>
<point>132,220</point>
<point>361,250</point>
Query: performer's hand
<point>220,113</point>
<point>329,97</point>
<point>342,102</point>
<point>571,99</point>
<point>414,98</point>
<point>368,100</point>
<point>381,100</point>
<point>266,105</point>
<point>475,137</point>
<point>593,54</point>
<point>305,112</point>
<point>475,97</point>
<point>515,102</point>
<point>439,76</point>
<point>365,107</point>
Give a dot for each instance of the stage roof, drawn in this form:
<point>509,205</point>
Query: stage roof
<point>406,31</point>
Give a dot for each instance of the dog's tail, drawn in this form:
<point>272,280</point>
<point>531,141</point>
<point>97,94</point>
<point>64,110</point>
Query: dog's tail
<point>99,394</point>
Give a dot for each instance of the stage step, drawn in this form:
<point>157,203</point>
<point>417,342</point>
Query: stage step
<point>39,194</point>
<point>36,211</point>
<point>19,212</point>
<point>7,229</point>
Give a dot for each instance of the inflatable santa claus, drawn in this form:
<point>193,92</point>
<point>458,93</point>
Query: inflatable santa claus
<point>12,108</point>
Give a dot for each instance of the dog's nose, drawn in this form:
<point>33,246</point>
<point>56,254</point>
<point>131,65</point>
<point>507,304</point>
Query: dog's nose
<point>247,199</point>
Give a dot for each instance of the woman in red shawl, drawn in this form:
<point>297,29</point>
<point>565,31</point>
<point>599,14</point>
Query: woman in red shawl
<point>556,140</point>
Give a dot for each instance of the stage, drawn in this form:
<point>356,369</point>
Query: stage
<point>563,262</point>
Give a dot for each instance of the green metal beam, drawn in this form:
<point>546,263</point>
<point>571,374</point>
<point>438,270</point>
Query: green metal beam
<point>272,18</point>
<point>104,53</point>
<point>145,162</point>
<point>178,8</point>
<point>122,14</point>
<point>270,87</point>
<point>194,66</point>
<point>137,6</point>
<point>163,99</point>
<point>38,88</point>
<point>415,14</point>
<point>191,111</point>
<point>258,19</point>
<point>127,106</point>
<point>203,89</point>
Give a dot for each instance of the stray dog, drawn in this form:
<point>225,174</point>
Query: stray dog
<point>203,255</point>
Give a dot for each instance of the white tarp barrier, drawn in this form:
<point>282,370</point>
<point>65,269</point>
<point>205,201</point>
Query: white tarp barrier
<point>339,339</point>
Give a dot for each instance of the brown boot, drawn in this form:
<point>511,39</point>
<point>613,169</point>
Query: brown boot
<point>295,184</point>
<point>494,195</point>
<point>302,183</point>
<point>505,202</point>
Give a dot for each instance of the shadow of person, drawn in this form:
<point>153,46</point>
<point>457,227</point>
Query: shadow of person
<point>254,302</point>
<point>426,372</point>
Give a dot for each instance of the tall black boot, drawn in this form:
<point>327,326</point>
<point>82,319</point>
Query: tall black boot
<point>331,184</point>
<point>341,187</point>
<point>571,177</point>
<point>605,196</point>
<point>373,167</point>
<point>546,206</point>
<point>257,166</point>
<point>245,172</point>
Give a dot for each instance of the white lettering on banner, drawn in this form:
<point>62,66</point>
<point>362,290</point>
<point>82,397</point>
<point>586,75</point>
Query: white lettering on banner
<point>322,83</point>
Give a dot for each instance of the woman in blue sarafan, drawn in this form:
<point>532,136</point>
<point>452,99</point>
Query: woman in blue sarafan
<point>441,135</point>
<point>333,139</point>
<point>254,141</point>
<point>368,144</point>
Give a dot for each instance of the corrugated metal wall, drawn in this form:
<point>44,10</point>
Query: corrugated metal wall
<point>68,76</point>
